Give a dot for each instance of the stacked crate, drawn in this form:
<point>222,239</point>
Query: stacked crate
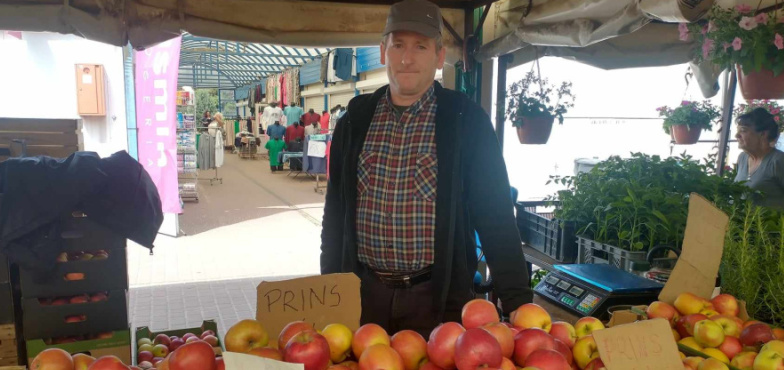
<point>9,351</point>
<point>84,302</point>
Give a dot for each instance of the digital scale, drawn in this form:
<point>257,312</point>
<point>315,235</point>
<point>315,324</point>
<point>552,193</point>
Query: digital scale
<point>589,289</point>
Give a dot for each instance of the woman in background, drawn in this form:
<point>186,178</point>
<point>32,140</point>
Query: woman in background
<point>761,165</point>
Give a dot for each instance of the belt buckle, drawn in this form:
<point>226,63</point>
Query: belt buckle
<point>407,281</point>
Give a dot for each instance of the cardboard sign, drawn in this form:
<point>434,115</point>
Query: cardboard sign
<point>644,345</point>
<point>241,361</point>
<point>703,245</point>
<point>319,300</point>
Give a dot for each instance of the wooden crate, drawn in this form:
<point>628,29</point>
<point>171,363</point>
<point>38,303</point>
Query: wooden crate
<point>8,345</point>
<point>57,138</point>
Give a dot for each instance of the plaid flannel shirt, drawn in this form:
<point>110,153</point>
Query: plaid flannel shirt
<point>396,187</point>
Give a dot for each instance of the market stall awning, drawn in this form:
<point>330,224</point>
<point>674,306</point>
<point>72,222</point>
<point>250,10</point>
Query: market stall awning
<point>211,63</point>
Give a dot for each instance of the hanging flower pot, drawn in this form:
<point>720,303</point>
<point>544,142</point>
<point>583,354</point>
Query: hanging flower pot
<point>686,135</point>
<point>535,130</point>
<point>761,85</point>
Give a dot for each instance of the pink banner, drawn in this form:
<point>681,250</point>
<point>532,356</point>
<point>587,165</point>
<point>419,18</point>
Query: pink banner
<point>156,117</point>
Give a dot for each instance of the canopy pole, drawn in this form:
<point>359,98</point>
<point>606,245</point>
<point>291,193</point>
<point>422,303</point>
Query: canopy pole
<point>500,100</point>
<point>728,102</point>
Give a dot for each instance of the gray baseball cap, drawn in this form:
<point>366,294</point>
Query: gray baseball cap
<point>420,16</point>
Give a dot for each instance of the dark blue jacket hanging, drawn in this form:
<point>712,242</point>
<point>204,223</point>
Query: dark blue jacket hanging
<point>344,59</point>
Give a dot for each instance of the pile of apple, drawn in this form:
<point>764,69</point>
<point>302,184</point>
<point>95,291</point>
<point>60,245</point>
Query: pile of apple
<point>82,256</point>
<point>714,328</point>
<point>530,341</point>
<point>77,299</point>
<point>150,353</point>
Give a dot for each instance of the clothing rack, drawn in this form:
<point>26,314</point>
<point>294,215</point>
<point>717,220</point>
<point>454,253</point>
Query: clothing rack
<point>307,161</point>
<point>187,156</point>
<point>205,131</point>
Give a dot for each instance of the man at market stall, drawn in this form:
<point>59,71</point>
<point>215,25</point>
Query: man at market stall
<point>406,191</point>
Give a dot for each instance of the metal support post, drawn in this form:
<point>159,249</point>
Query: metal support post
<point>728,102</point>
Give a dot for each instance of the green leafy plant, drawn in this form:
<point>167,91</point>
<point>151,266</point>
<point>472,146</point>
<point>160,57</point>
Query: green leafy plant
<point>752,266</point>
<point>739,36</point>
<point>537,277</point>
<point>641,202</point>
<point>774,108</point>
<point>535,96</point>
<point>691,114</point>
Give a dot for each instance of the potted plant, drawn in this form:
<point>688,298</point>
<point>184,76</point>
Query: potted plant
<point>752,43</point>
<point>685,122</point>
<point>774,108</point>
<point>534,104</point>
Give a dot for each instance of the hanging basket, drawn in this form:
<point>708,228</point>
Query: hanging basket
<point>535,130</point>
<point>685,135</point>
<point>761,85</point>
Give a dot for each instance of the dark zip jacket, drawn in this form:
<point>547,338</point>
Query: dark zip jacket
<point>473,194</point>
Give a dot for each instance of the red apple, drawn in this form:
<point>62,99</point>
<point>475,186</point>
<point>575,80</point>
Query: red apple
<point>744,360</point>
<point>193,339</point>
<point>477,348</point>
<point>430,366</point>
<point>366,336</point>
<point>144,356</point>
<point>529,340</point>
<point>507,364</point>
<point>441,346</point>
<point>82,298</point>
<point>563,349</point>
<point>59,301</point>
<point>206,333</point>
<point>219,364</point>
<point>411,347</point>
<point>547,359</point>
<point>380,356</point>
<point>155,360</point>
<point>108,363</point>
<point>756,335</point>
<point>564,332</point>
<point>211,340</point>
<point>290,330</point>
<point>731,347</point>
<point>596,364</point>
<point>193,356</point>
<point>531,315</point>
<point>176,343</point>
<point>308,348</point>
<point>98,297</point>
<point>162,339</point>
<point>189,335</point>
<point>479,312</point>
<point>82,361</point>
<point>685,325</point>
<point>267,352</point>
<point>503,335</point>
<point>662,310</point>
<point>725,304</point>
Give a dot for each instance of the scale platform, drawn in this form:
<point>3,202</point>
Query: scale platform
<point>589,289</point>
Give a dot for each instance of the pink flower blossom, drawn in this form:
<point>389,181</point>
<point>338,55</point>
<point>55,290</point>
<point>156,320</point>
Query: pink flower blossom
<point>775,111</point>
<point>778,41</point>
<point>743,8</point>
<point>777,118</point>
<point>761,18</point>
<point>685,102</point>
<point>683,31</point>
<point>737,43</point>
<point>707,47</point>
<point>747,23</point>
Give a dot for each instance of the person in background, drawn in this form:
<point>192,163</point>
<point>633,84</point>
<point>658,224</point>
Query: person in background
<point>292,113</point>
<point>761,165</point>
<point>294,132</point>
<point>216,124</point>
<point>312,129</point>
<point>206,118</point>
<point>407,189</point>
<point>324,121</point>
<point>333,118</point>
<point>310,117</point>
<point>275,146</point>
<point>276,131</point>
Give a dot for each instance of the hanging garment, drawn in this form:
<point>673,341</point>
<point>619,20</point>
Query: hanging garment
<point>331,78</point>
<point>206,154</point>
<point>324,122</point>
<point>274,146</point>
<point>219,149</point>
<point>344,58</point>
<point>313,165</point>
<point>324,68</point>
<point>283,96</point>
<point>292,114</point>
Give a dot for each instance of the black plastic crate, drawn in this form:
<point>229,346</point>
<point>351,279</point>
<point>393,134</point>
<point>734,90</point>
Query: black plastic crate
<point>46,318</point>
<point>591,251</point>
<point>6,303</point>
<point>78,277</point>
<point>545,233</point>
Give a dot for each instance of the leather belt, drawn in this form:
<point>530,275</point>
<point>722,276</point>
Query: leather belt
<point>397,280</point>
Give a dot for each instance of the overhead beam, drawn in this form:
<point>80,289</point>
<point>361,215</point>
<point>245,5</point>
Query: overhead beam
<point>232,53</point>
<point>454,4</point>
<point>187,61</point>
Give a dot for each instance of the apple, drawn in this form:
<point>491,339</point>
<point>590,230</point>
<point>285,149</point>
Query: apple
<point>564,332</point>
<point>774,345</point>
<point>143,341</point>
<point>162,339</point>
<point>756,335</point>
<point>366,336</point>
<point>691,343</point>
<point>411,347</point>
<point>246,335</point>
<point>75,318</point>
<point>339,338</point>
<point>662,310</point>
<point>144,365</point>
<point>160,350</point>
<point>585,351</point>
<point>101,255</point>
<point>82,361</point>
<point>74,276</point>
<point>86,256</point>
<point>564,350</point>
<point>477,348</point>
<point>267,352</point>
<point>187,336</point>
<point>83,298</point>
<point>53,358</point>
<point>547,359</point>
<point>99,297</point>
<point>715,353</point>
<point>107,363</point>
<point>692,363</point>
<point>744,360</point>
<point>768,360</point>
<point>193,339</point>
<point>62,257</point>
<point>587,325</point>
<point>531,315</point>
<point>709,312</point>
<point>196,355</point>
<point>478,312</point>
<point>751,322</point>
<point>689,303</point>
<point>675,335</point>
<point>441,346</point>
<point>352,365</point>
<point>290,330</point>
<point>725,304</point>
<point>597,364</point>
<point>503,335</point>
<point>144,356</point>
<point>310,349</point>
<point>176,343</point>
<point>731,325</point>
<point>708,333</point>
<point>712,364</point>
<point>59,302</point>
<point>206,333</point>
<point>529,340</point>
<point>380,356</point>
<point>685,324</point>
<point>731,347</point>
<point>211,340</point>
<point>145,347</point>
<point>507,364</point>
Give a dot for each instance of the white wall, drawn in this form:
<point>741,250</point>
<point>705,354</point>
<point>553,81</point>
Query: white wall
<point>37,80</point>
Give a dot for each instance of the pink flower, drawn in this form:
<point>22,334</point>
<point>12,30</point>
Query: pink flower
<point>737,43</point>
<point>777,118</point>
<point>747,23</point>
<point>778,41</point>
<point>743,8</point>
<point>775,111</point>
<point>726,46</point>
<point>683,31</point>
<point>707,47</point>
<point>761,18</point>
<point>685,102</point>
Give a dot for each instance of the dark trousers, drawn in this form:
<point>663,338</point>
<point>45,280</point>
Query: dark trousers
<point>402,308</point>
<point>276,168</point>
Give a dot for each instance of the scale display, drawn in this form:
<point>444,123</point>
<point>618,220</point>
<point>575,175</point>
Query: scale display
<point>588,290</point>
